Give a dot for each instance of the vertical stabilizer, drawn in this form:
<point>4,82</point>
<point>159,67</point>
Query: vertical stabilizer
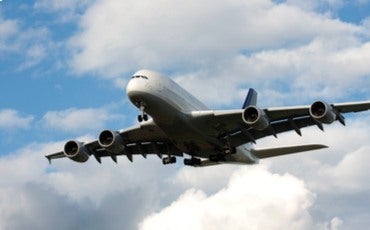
<point>251,98</point>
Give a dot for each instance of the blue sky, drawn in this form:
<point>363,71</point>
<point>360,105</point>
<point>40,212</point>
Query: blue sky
<point>63,70</point>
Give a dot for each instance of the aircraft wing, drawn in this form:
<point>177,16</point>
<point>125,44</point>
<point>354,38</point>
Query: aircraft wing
<point>229,124</point>
<point>278,113</point>
<point>145,138</point>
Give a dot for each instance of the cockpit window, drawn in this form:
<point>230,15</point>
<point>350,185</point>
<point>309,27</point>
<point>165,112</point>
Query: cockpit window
<point>140,76</point>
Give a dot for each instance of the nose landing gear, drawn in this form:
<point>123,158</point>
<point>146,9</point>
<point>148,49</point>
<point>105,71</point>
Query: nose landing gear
<point>143,116</point>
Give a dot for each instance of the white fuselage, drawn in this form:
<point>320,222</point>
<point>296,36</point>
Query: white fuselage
<point>171,106</point>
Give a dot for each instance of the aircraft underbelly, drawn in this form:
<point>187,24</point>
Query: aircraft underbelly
<point>175,124</point>
<point>189,140</point>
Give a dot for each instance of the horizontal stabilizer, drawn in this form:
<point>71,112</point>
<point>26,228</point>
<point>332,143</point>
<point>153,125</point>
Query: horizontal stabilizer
<point>273,152</point>
<point>205,163</point>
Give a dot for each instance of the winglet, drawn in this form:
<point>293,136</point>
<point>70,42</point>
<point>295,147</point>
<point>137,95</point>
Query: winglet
<point>251,98</point>
<point>49,159</point>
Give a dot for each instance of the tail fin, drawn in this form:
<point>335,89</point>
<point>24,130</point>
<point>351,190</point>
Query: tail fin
<point>251,98</point>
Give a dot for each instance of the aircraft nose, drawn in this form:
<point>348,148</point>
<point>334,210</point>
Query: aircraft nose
<point>131,87</point>
<point>135,89</point>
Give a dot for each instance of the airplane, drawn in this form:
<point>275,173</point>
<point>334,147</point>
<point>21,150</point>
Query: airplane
<point>173,123</point>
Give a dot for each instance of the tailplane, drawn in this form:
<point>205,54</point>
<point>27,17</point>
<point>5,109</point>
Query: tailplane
<point>273,152</point>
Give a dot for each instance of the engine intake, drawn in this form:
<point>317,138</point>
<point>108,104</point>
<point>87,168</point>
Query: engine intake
<point>76,151</point>
<point>111,140</point>
<point>256,118</point>
<point>322,112</point>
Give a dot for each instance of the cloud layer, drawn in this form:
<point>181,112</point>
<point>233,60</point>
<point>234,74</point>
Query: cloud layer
<point>253,199</point>
<point>78,120</point>
<point>193,37</point>
<point>12,119</point>
<point>254,43</point>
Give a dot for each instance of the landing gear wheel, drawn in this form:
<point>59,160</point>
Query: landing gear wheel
<point>215,158</point>
<point>145,117</point>
<point>192,161</point>
<point>169,160</point>
<point>142,117</point>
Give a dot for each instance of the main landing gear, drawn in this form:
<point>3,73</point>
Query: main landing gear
<point>187,161</point>
<point>192,161</point>
<point>168,160</point>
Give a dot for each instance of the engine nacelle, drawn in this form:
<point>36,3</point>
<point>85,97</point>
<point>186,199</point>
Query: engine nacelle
<point>255,118</point>
<point>111,140</point>
<point>76,151</point>
<point>322,112</point>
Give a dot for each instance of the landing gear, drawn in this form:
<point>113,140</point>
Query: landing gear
<point>230,150</point>
<point>169,160</point>
<point>192,161</point>
<point>142,117</point>
<point>217,158</point>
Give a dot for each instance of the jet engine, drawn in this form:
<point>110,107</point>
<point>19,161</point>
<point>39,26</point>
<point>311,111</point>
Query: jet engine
<point>255,118</point>
<point>323,112</point>
<point>111,140</point>
<point>76,151</point>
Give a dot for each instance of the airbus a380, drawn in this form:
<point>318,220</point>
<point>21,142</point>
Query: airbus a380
<point>179,125</point>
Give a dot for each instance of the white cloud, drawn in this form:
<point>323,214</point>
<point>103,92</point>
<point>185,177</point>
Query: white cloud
<point>12,119</point>
<point>66,11</point>
<point>78,120</point>
<point>334,224</point>
<point>320,69</point>
<point>253,199</point>
<point>59,5</point>
<point>320,5</point>
<point>192,38</point>
<point>208,179</point>
<point>87,195</point>
<point>349,174</point>
<point>8,28</point>
<point>30,43</point>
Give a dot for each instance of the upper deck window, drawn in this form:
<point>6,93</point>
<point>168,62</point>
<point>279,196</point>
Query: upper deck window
<point>140,76</point>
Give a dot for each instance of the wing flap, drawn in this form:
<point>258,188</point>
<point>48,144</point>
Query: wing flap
<point>244,135</point>
<point>144,149</point>
<point>272,152</point>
